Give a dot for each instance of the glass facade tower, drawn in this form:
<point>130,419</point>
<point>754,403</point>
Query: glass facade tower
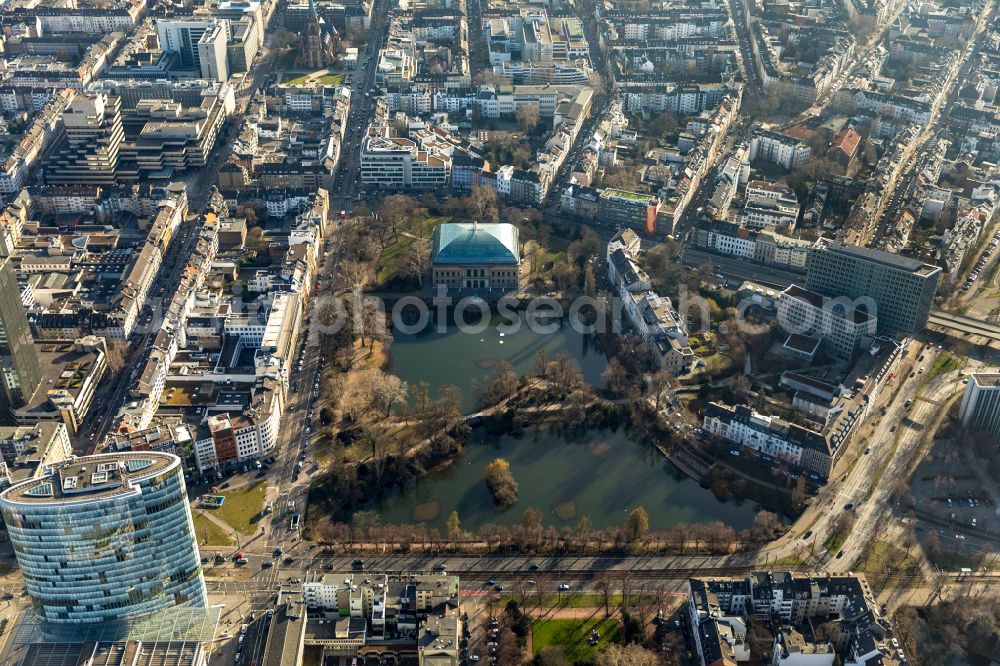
<point>104,537</point>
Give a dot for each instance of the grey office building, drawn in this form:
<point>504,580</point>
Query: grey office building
<point>20,371</point>
<point>902,289</point>
<point>87,151</point>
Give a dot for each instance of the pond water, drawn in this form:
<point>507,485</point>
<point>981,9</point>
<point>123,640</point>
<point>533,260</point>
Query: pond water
<point>603,475</point>
<point>447,355</point>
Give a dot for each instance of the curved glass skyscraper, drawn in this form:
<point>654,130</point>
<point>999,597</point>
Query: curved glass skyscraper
<point>104,537</point>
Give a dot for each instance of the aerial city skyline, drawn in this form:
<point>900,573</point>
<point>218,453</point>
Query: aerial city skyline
<point>513,332</point>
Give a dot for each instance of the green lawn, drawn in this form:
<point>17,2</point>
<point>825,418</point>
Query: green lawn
<point>302,78</point>
<point>397,251</point>
<point>573,636</point>
<point>944,363</point>
<point>242,507</point>
<point>543,261</point>
<point>208,533</point>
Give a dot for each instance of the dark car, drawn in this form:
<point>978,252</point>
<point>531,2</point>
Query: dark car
<point>358,564</point>
<point>840,554</point>
<point>534,567</point>
<point>289,559</point>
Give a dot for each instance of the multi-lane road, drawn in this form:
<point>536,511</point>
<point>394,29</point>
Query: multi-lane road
<point>347,181</point>
<point>289,483</point>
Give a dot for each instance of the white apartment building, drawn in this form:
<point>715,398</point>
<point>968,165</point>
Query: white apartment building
<point>504,176</point>
<point>768,190</point>
<point>892,106</point>
<point>741,245</point>
<point>769,205</point>
<point>769,435</point>
<point>841,326</point>
<point>782,150</point>
<point>247,436</point>
<point>765,213</point>
<point>400,163</point>
<point>95,22</point>
<point>652,315</point>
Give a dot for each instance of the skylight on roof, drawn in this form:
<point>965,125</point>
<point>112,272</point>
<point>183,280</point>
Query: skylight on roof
<point>136,464</point>
<point>41,490</point>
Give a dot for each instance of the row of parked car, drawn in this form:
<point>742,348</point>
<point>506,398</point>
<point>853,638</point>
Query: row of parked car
<point>981,264</point>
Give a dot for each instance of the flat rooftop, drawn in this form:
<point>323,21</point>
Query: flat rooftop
<point>64,368</point>
<point>986,379</point>
<point>284,638</point>
<point>91,477</point>
<point>884,258</point>
<point>802,343</point>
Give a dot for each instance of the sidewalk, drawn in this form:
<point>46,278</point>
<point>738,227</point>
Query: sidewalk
<point>222,525</point>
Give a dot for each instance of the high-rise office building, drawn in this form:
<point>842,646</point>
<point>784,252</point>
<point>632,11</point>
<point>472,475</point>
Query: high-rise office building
<point>199,43</point>
<point>20,371</point>
<point>980,410</point>
<point>87,151</point>
<point>105,537</point>
<point>902,289</point>
<point>212,53</point>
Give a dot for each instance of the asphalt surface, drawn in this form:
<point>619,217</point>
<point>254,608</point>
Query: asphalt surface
<point>347,181</point>
<point>736,271</point>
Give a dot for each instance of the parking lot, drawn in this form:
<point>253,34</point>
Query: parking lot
<point>948,496</point>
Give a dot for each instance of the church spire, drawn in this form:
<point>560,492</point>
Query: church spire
<point>313,14</point>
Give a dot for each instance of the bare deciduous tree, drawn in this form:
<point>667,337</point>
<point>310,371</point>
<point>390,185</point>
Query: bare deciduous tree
<point>527,116</point>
